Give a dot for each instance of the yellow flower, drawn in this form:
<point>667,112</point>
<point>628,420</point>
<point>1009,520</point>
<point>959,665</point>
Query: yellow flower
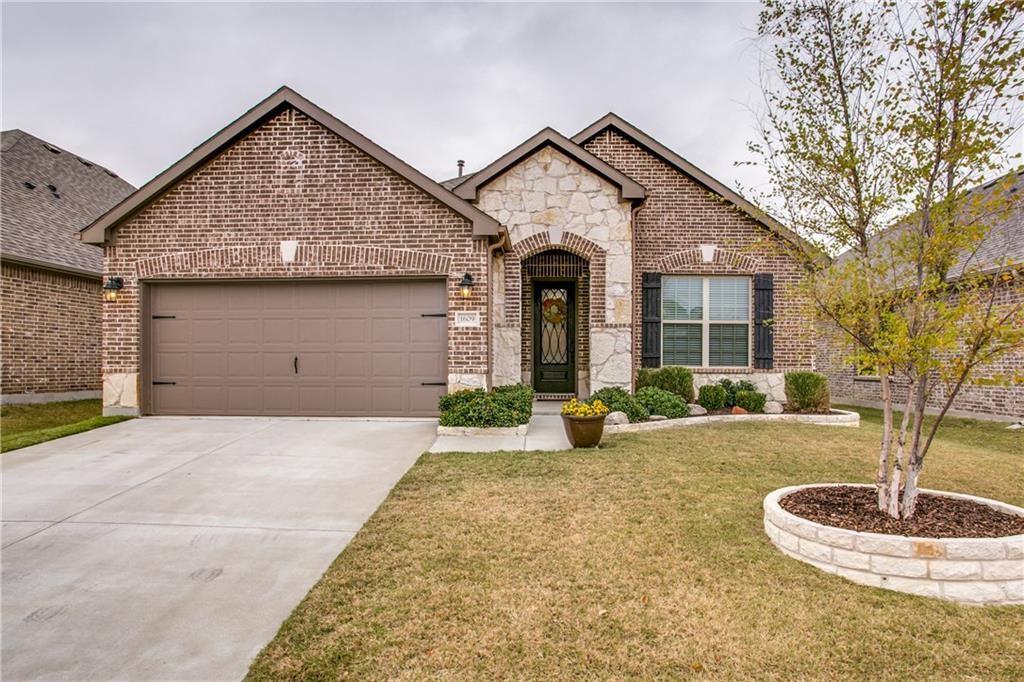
<point>580,408</point>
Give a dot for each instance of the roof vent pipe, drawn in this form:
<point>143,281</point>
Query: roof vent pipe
<point>461,164</point>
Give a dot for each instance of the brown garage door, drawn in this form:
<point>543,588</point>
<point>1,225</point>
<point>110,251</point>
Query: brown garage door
<point>287,348</point>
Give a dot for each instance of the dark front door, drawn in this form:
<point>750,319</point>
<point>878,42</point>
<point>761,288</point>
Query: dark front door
<point>554,337</point>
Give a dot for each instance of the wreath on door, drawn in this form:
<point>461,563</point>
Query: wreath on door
<point>554,311</point>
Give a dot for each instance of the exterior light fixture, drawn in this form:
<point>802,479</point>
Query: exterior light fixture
<point>466,285</point>
<point>111,287</point>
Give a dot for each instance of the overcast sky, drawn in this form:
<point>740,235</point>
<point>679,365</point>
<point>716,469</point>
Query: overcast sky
<point>136,86</point>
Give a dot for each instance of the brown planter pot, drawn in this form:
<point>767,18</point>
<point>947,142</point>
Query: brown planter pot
<point>583,432</point>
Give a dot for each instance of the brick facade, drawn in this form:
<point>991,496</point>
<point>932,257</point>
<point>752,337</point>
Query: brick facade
<point>1003,399</point>
<point>677,217</point>
<point>50,332</point>
<point>291,179</point>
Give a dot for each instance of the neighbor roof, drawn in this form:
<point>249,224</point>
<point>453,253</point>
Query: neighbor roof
<point>98,232</point>
<point>1003,246</point>
<point>631,132</point>
<point>468,185</point>
<point>49,194</point>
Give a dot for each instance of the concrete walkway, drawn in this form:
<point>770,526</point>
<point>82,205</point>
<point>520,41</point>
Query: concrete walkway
<point>545,433</point>
<point>166,548</point>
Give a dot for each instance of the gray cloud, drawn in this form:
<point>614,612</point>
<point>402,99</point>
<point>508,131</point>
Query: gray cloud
<point>136,86</point>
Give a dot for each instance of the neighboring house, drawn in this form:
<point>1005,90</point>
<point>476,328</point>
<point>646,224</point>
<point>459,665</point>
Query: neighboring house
<point>291,266</point>
<point>51,306</point>
<point>997,393</point>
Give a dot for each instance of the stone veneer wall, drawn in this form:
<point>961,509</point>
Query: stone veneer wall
<point>50,334</point>
<point>677,218</point>
<point>291,179</point>
<point>1004,398</point>
<point>548,200</point>
<point>974,571</point>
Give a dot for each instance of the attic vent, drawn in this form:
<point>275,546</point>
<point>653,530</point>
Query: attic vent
<point>29,185</point>
<point>110,173</point>
<point>84,162</point>
<point>52,149</point>
<point>52,188</point>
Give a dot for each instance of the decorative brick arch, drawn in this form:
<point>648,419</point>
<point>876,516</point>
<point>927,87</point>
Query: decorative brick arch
<point>571,242</point>
<point>724,262</point>
<point>323,260</point>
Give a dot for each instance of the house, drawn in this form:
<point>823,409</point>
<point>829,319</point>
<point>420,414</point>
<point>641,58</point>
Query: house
<point>999,391</point>
<point>50,326</point>
<point>291,266</point>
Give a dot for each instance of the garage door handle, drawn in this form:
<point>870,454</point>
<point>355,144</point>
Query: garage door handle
<point>295,363</point>
<point>165,383</point>
<point>433,383</point>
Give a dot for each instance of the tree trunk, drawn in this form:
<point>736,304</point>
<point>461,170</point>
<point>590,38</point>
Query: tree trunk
<point>901,456</point>
<point>882,475</point>
<point>916,459</point>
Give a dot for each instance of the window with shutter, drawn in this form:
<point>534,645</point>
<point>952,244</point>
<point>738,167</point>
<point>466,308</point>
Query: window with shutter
<point>706,321</point>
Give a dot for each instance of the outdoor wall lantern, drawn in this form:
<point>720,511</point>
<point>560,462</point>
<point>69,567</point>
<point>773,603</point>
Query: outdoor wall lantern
<point>111,287</point>
<point>466,285</point>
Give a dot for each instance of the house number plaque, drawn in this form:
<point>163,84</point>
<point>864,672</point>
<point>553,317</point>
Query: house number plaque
<point>467,319</point>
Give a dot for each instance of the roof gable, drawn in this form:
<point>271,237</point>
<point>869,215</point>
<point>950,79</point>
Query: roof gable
<point>98,232</point>
<point>469,185</point>
<point>637,136</point>
<point>48,195</point>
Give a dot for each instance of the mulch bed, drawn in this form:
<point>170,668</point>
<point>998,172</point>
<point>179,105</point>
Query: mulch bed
<point>935,517</point>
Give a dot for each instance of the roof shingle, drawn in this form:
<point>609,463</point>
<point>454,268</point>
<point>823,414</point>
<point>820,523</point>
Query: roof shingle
<point>40,223</point>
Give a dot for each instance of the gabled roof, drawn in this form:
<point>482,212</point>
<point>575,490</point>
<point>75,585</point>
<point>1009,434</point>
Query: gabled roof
<point>629,189</point>
<point>631,132</point>
<point>48,195</point>
<point>98,232</point>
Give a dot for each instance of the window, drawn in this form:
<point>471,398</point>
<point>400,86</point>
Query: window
<point>705,321</point>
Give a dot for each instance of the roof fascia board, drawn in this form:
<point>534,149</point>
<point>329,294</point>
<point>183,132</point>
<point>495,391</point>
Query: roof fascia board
<point>97,232</point>
<point>51,267</point>
<point>636,135</point>
<point>629,189</point>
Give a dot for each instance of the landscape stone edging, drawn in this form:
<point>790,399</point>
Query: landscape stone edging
<point>976,571</point>
<point>520,430</point>
<point>836,418</point>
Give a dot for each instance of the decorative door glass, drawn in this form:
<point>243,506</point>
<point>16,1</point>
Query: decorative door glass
<point>554,328</point>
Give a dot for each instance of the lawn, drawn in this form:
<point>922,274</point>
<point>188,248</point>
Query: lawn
<point>645,559</point>
<point>24,425</point>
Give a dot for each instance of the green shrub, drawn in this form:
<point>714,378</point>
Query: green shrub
<point>518,398</point>
<point>807,392</point>
<point>674,379</point>
<point>751,401</point>
<point>450,401</point>
<point>712,397</point>
<point>734,387</point>
<point>619,400</point>
<point>659,401</point>
<point>505,406</point>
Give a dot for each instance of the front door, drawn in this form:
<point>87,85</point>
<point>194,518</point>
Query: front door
<point>554,337</point>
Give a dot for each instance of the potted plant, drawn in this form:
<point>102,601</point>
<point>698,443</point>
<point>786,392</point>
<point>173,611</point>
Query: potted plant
<point>584,422</point>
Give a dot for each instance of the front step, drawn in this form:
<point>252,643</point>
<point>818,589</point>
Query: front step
<point>553,396</point>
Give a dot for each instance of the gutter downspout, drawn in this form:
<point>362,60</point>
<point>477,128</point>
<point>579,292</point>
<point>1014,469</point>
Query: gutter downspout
<point>503,242</point>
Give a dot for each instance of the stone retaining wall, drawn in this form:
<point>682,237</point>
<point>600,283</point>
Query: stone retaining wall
<point>986,571</point>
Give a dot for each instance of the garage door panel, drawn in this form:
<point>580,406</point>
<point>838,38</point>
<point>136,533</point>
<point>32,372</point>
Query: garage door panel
<point>363,348</point>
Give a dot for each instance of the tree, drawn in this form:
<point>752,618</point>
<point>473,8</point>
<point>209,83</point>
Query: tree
<point>877,120</point>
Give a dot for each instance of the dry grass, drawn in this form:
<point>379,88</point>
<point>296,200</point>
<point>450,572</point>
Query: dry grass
<point>645,559</point>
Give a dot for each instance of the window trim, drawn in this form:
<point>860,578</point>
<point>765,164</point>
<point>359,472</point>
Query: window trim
<point>705,323</point>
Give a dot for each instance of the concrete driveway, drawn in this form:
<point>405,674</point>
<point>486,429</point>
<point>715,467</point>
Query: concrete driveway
<point>166,548</point>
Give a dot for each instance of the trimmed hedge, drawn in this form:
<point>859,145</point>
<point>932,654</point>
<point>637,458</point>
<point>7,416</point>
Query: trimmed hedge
<point>619,400</point>
<point>659,401</point>
<point>751,401</point>
<point>674,379</point>
<point>505,406</point>
<point>712,397</point>
<point>807,392</point>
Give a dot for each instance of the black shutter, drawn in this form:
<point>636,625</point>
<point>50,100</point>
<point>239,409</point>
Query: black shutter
<point>651,328</point>
<point>763,312</point>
